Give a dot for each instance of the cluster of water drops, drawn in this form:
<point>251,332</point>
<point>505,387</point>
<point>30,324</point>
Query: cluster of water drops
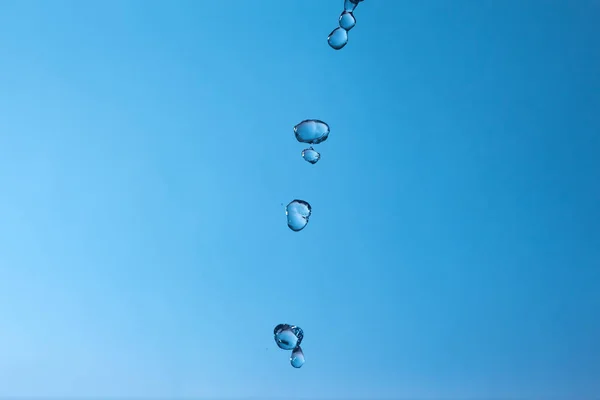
<point>338,38</point>
<point>312,132</point>
<point>289,337</point>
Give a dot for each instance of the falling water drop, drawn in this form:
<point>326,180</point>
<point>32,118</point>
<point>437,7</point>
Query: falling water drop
<point>297,357</point>
<point>350,5</point>
<point>298,212</point>
<point>311,155</point>
<point>338,38</point>
<point>288,337</point>
<point>347,20</point>
<point>311,131</point>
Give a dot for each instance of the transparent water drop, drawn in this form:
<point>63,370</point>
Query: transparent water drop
<point>347,20</point>
<point>311,155</point>
<point>288,337</point>
<point>338,38</point>
<point>350,5</point>
<point>297,357</point>
<point>311,131</point>
<point>298,212</point>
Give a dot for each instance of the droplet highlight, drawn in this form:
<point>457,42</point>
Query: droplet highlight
<point>297,357</point>
<point>347,20</point>
<point>298,212</point>
<point>311,131</point>
<point>338,38</point>
<point>288,337</point>
<point>311,155</point>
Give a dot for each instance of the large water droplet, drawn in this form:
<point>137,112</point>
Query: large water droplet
<point>311,131</point>
<point>298,212</point>
<point>311,155</point>
<point>347,20</point>
<point>338,38</point>
<point>350,5</point>
<point>288,337</point>
<point>297,357</point>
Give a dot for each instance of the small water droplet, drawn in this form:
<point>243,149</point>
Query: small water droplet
<point>311,131</point>
<point>297,357</point>
<point>347,20</point>
<point>338,38</point>
<point>288,337</point>
<point>350,5</point>
<point>311,155</point>
<point>298,212</point>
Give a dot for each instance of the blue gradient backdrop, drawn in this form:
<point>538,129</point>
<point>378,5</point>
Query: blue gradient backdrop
<point>146,148</point>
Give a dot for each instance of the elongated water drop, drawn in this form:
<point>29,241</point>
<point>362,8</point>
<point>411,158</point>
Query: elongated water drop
<point>298,212</point>
<point>297,357</point>
<point>347,20</point>
<point>311,131</point>
<point>287,336</point>
<point>350,5</point>
<point>311,155</point>
<point>338,38</point>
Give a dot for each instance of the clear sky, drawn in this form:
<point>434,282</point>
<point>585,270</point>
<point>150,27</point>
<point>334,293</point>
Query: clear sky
<point>146,149</point>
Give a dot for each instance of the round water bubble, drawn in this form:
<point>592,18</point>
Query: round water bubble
<point>298,212</point>
<point>311,155</point>
<point>338,38</point>
<point>297,357</point>
<point>288,337</point>
<point>311,131</point>
<point>347,20</point>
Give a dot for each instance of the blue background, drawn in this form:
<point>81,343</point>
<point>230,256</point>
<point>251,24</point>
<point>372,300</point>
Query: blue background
<point>146,149</point>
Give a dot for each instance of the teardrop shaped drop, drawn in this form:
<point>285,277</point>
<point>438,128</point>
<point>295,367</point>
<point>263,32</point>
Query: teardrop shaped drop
<point>338,38</point>
<point>297,357</point>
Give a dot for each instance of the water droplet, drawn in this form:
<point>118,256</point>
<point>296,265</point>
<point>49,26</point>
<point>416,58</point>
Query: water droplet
<point>311,131</point>
<point>350,5</point>
<point>311,155</point>
<point>298,212</point>
<point>297,357</point>
<point>288,337</point>
<point>338,38</point>
<point>347,20</point>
